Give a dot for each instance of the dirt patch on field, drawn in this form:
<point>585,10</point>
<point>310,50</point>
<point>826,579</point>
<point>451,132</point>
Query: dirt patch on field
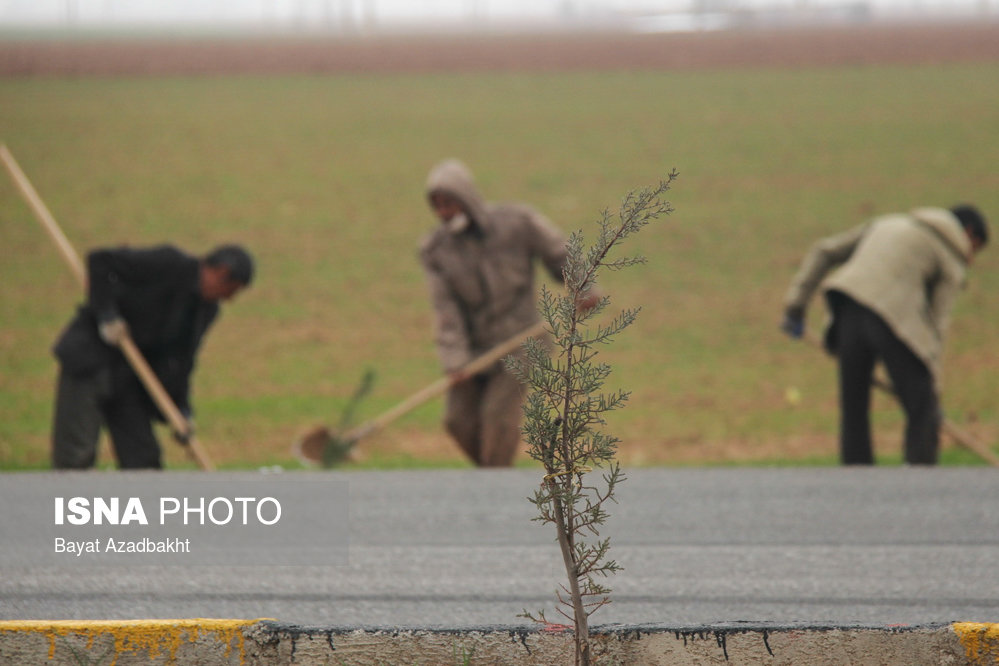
<point>906,44</point>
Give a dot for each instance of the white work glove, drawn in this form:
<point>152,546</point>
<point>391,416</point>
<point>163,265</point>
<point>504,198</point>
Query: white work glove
<point>113,331</point>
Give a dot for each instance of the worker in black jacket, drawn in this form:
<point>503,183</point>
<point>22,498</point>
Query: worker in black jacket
<point>166,300</point>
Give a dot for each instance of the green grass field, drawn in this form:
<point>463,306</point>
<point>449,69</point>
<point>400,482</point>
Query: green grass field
<point>322,176</point>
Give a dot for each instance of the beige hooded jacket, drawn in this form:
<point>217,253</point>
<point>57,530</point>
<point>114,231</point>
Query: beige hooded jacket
<point>481,279</point>
<point>908,268</point>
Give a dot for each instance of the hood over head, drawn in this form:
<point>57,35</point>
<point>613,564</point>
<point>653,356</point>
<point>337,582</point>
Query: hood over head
<point>454,178</point>
<point>946,225</point>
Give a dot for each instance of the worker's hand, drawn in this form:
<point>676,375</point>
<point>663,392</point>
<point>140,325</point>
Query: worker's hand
<point>794,322</point>
<point>457,376</point>
<point>588,301</point>
<point>113,330</point>
<point>183,438</point>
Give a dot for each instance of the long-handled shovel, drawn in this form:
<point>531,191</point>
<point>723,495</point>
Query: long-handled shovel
<point>961,437</point>
<point>127,345</point>
<point>320,445</point>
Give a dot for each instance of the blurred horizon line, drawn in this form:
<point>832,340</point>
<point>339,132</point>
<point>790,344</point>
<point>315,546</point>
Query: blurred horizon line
<point>368,17</point>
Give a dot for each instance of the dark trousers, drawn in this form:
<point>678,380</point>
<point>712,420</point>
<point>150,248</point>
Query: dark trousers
<point>862,339</point>
<point>115,400</point>
<point>483,414</point>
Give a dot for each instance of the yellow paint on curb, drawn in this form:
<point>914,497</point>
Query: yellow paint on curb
<point>154,637</point>
<point>980,641</point>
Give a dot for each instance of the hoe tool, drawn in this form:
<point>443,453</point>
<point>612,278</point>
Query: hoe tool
<point>320,445</point>
<point>128,348</point>
<point>959,436</point>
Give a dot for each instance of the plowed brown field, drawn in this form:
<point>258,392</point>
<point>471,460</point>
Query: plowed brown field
<point>901,44</point>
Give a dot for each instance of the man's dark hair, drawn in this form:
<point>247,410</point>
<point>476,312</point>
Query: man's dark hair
<point>972,221</point>
<point>236,259</point>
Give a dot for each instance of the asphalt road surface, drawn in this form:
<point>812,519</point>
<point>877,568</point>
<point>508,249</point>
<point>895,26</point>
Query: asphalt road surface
<point>458,548</point>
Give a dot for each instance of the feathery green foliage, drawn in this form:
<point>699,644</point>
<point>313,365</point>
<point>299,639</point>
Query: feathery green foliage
<point>565,408</point>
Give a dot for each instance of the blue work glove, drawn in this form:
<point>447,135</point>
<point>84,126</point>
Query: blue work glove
<point>794,322</point>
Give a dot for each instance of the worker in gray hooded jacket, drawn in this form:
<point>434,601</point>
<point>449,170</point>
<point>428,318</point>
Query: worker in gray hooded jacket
<point>479,265</point>
<point>890,301</point>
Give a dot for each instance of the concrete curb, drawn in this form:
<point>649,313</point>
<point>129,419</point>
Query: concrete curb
<point>266,642</point>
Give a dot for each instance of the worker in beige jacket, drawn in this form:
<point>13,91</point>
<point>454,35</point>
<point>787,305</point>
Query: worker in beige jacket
<point>890,300</point>
<point>479,264</point>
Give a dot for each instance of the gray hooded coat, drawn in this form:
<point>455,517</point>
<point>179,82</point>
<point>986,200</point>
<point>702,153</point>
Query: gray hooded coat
<point>481,278</point>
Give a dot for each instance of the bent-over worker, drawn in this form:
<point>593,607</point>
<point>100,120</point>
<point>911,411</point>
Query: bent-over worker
<point>891,301</point>
<point>166,300</point>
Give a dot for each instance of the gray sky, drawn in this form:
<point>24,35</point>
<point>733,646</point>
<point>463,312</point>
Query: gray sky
<point>386,12</point>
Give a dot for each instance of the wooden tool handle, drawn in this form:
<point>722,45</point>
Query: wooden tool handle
<point>127,345</point>
<point>476,365</point>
